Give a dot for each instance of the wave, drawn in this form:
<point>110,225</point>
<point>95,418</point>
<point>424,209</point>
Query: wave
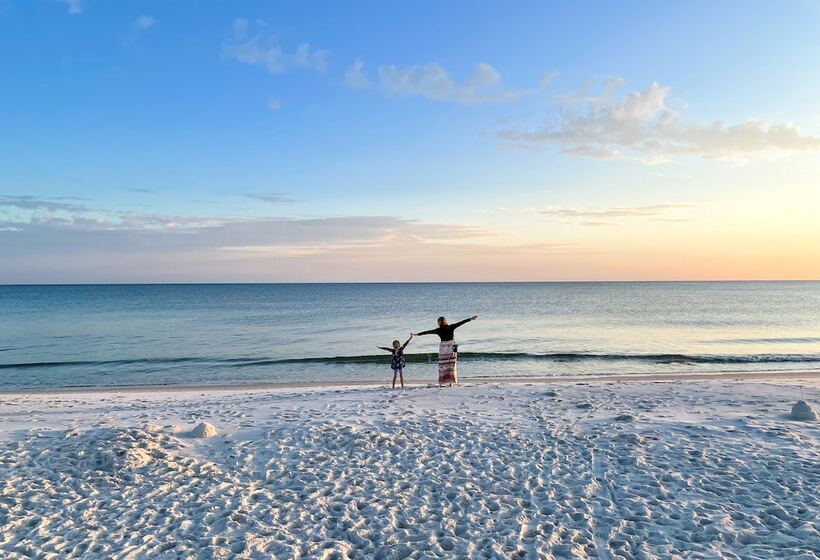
<point>432,358</point>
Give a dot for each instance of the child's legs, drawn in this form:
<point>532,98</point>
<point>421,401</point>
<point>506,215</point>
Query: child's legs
<point>394,377</point>
<point>401,377</point>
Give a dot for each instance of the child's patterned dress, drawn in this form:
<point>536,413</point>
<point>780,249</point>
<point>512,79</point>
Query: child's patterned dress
<point>398,362</point>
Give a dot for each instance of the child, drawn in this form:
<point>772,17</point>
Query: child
<point>397,363</point>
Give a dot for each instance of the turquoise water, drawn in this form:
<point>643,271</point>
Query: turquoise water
<point>115,335</point>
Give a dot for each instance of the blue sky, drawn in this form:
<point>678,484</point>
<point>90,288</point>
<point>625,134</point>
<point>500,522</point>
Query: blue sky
<point>268,141</point>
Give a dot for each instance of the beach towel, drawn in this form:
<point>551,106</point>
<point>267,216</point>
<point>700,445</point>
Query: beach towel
<point>447,362</point>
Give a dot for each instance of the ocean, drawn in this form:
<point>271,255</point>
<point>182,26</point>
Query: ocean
<point>234,334</point>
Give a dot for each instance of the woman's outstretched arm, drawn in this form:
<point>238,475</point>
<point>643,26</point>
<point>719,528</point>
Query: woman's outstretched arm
<point>467,320</point>
<point>431,331</point>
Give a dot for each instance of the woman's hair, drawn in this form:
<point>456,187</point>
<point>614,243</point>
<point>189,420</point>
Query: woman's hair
<point>442,320</point>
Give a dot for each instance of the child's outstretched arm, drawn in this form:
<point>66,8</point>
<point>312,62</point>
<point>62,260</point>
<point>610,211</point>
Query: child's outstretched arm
<point>385,348</point>
<point>406,342</point>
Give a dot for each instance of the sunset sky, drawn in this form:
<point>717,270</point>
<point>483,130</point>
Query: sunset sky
<point>408,141</point>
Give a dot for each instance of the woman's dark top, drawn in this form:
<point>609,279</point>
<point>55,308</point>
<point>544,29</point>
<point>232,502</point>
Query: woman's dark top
<point>445,333</point>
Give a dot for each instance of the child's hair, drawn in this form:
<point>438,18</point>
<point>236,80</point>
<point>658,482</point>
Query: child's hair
<point>396,343</point>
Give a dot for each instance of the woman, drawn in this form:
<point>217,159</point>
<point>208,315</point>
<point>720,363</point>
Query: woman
<point>447,350</point>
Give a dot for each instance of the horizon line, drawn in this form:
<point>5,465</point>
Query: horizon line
<point>379,282</point>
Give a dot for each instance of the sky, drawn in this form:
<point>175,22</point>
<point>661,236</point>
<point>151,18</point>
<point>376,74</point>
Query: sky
<point>309,141</point>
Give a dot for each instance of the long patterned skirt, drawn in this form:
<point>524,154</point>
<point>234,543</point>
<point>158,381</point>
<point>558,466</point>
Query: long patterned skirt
<point>447,362</point>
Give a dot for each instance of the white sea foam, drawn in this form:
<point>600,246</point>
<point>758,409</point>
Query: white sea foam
<point>610,470</point>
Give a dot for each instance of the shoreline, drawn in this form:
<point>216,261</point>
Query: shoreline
<point>650,377</point>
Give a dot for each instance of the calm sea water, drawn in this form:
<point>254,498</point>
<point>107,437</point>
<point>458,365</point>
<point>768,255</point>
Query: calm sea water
<point>91,336</point>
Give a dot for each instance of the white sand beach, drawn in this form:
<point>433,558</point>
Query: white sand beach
<point>606,469</point>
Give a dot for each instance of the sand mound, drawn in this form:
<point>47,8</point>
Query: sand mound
<point>801,410</point>
<point>114,460</point>
<point>117,450</point>
<point>204,430</point>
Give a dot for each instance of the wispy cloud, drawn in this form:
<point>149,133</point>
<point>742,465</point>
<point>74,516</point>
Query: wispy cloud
<point>264,50</point>
<point>547,78</point>
<point>606,216</point>
<point>144,22</point>
<point>592,223</point>
<point>355,77</point>
<point>612,211</point>
<point>138,27</point>
<point>274,104</point>
<point>327,235</point>
<point>433,82</point>
<point>83,243</point>
<point>641,126</point>
<point>28,202</point>
<point>272,198</point>
<point>20,211</point>
<point>584,96</point>
<point>74,6</point>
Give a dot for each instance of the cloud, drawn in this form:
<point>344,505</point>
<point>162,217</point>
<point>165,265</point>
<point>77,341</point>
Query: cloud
<point>583,96</point>
<point>613,211</point>
<point>26,212</point>
<point>142,191</point>
<point>547,78</point>
<point>294,237</point>
<point>603,216</point>
<point>29,203</point>
<point>129,246</point>
<point>138,26</point>
<point>62,212</point>
<point>79,243</point>
<point>274,104</point>
<point>351,248</point>
<point>144,22</point>
<point>273,198</point>
<point>355,76</point>
<point>264,51</point>
<point>597,224</point>
<point>74,6</point>
<point>641,126</point>
<point>432,82</point>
